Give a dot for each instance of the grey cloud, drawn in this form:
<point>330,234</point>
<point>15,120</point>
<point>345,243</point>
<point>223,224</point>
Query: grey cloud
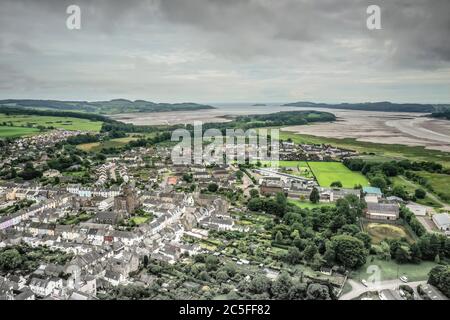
<point>214,49</point>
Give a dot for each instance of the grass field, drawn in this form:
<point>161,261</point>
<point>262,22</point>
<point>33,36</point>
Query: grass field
<point>309,205</point>
<point>410,187</point>
<point>139,220</point>
<point>378,150</point>
<point>381,231</point>
<point>99,146</point>
<point>440,184</point>
<point>328,172</point>
<point>57,122</point>
<point>13,132</point>
<point>389,269</point>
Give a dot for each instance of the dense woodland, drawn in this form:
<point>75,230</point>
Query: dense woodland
<point>368,106</point>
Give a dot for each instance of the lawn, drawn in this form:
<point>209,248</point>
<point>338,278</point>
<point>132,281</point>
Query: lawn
<point>139,220</point>
<point>440,184</point>
<point>67,123</point>
<point>328,172</point>
<point>99,146</point>
<point>13,132</point>
<point>309,204</point>
<point>383,231</point>
<point>388,269</point>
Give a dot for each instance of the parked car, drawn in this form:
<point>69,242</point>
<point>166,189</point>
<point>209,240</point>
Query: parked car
<point>404,279</point>
<point>364,282</point>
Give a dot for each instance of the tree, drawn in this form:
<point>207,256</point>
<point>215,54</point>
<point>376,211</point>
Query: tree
<point>402,254</point>
<point>317,292</point>
<point>439,277</point>
<point>259,284</point>
<point>420,193</point>
<point>279,237</point>
<point>281,286</point>
<point>365,238</point>
<point>29,172</point>
<point>310,251</point>
<point>336,184</point>
<point>400,192</point>
<point>255,204</point>
<point>239,175</point>
<point>254,193</point>
<point>145,261</point>
<point>211,262</point>
<point>213,187</point>
<point>188,177</point>
<point>10,259</point>
<point>329,256</point>
<point>314,197</point>
<point>416,255</point>
<point>293,255</point>
<point>222,276</point>
<point>350,251</point>
<point>378,182</point>
<point>298,291</point>
<point>281,202</point>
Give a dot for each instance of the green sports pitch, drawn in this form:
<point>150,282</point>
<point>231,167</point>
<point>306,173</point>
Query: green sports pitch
<point>328,172</point>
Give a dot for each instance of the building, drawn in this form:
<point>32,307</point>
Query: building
<point>442,222</point>
<point>127,202</point>
<point>372,192</point>
<point>382,211</point>
<point>417,209</point>
<point>271,187</point>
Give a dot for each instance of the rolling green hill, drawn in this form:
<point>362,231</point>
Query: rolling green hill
<point>103,107</point>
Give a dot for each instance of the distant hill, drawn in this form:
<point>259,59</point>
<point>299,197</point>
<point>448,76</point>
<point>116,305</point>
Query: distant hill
<point>441,115</point>
<point>371,106</point>
<point>103,107</point>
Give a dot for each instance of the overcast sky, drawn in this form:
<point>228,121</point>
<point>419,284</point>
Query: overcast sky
<point>226,51</point>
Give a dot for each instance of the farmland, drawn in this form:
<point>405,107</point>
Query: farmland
<point>13,132</point>
<point>67,123</point>
<point>99,146</point>
<point>380,151</point>
<point>328,172</point>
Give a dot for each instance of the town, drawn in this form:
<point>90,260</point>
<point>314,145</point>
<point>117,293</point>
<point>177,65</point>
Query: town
<point>133,224</point>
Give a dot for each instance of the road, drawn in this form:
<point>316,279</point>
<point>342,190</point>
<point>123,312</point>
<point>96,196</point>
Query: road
<point>358,288</point>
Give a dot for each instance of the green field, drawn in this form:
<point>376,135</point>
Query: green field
<point>13,132</point>
<point>309,205</point>
<point>390,269</point>
<point>139,220</point>
<point>99,146</point>
<point>440,184</point>
<point>410,188</point>
<point>382,231</point>
<point>56,122</point>
<point>328,172</point>
<point>378,150</point>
